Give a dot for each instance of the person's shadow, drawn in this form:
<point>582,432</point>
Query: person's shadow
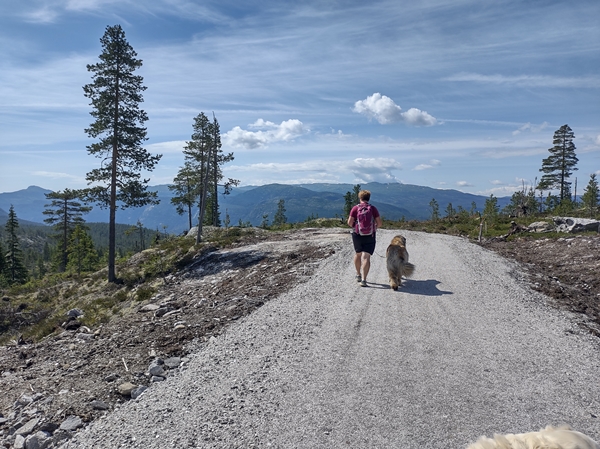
<point>417,287</point>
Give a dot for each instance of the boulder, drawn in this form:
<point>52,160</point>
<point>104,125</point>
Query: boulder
<point>541,226</point>
<point>573,224</point>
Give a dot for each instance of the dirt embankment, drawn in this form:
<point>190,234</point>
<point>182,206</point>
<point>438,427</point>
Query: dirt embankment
<point>566,269</point>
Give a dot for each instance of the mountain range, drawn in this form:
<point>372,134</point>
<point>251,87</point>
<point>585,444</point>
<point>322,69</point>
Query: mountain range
<point>249,204</point>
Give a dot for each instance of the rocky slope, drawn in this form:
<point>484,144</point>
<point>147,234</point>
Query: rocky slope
<point>57,386</point>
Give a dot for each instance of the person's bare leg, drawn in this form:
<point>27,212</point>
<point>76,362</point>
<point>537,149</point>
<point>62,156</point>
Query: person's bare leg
<point>358,262</point>
<point>366,264</point>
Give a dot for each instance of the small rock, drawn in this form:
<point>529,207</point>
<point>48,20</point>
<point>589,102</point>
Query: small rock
<point>85,337</point>
<point>71,325</point>
<point>39,440</point>
<point>111,377</point>
<point>24,400</point>
<point>172,362</point>
<point>49,427</point>
<point>75,313</point>
<point>126,388</point>
<point>157,370</point>
<point>72,423</point>
<point>99,405</point>
<point>28,427</point>
<point>19,442</point>
<point>138,391</point>
<point>149,308</point>
<point>157,379</point>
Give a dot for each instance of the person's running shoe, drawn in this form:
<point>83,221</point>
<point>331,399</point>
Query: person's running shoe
<point>363,283</point>
<point>358,278</point>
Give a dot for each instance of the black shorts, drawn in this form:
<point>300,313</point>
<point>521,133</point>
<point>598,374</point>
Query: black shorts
<point>363,243</point>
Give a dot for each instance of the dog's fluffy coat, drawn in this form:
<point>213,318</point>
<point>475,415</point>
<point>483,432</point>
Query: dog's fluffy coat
<point>397,262</point>
<point>548,438</point>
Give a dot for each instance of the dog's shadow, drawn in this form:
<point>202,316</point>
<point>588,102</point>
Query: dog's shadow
<point>426,288</point>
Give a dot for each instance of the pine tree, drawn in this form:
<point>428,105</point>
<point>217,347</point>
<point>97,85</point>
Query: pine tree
<point>64,213</point>
<point>435,210</point>
<point>198,155</point>
<point>185,189</point>
<point>591,196</point>
<point>279,219</point>
<point>217,173</point>
<point>559,166</point>
<point>115,95</point>
<point>15,271</point>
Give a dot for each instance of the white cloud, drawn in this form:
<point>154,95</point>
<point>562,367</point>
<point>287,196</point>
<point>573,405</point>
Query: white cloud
<point>268,132</point>
<point>592,82</point>
<point>385,111</point>
<point>497,182</point>
<point>363,170</point>
<point>531,128</point>
<point>174,146</point>
<point>464,184</point>
<point>598,139</point>
<point>432,163</point>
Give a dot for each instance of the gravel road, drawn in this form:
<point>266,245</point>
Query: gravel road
<point>463,349</point>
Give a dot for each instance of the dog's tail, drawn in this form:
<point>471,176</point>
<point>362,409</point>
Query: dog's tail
<point>408,269</point>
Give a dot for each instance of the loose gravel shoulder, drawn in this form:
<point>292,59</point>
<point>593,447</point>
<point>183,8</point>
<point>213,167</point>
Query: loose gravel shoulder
<point>464,348</point>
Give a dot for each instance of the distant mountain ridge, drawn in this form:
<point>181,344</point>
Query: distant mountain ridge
<point>250,203</point>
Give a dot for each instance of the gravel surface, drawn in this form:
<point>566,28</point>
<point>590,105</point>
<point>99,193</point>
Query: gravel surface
<point>464,348</point>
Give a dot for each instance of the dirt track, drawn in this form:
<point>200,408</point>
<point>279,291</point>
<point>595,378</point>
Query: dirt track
<point>465,348</point>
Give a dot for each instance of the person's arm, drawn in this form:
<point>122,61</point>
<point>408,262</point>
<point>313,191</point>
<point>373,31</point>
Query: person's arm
<point>351,218</point>
<point>351,221</point>
<point>378,222</point>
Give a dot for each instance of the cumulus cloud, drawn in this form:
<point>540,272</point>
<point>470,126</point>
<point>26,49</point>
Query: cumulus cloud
<point>464,184</point>
<point>373,169</point>
<point>385,111</point>
<point>531,128</point>
<point>266,133</point>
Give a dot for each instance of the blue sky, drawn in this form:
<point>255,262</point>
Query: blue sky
<point>453,94</point>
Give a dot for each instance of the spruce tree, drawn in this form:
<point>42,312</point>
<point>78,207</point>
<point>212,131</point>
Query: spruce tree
<point>115,95</point>
<point>591,196</point>
<point>82,255</point>
<point>559,166</point>
<point>64,213</point>
<point>3,267</point>
<point>279,219</point>
<point>15,271</point>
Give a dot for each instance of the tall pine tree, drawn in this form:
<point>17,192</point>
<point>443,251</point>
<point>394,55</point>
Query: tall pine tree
<point>115,95</point>
<point>15,270</point>
<point>559,166</point>
<point>197,182</point>
<point>64,213</point>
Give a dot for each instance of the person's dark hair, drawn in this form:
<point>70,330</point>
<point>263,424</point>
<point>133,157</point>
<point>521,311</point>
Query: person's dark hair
<point>364,195</point>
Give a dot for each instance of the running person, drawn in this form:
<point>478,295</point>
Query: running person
<point>364,245</point>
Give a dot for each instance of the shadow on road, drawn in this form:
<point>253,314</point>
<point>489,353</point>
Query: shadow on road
<point>427,288</point>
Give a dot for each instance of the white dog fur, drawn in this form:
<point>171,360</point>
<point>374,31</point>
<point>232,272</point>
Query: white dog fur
<point>549,438</point>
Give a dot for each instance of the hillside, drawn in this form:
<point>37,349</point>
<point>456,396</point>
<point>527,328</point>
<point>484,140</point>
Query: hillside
<point>250,203</point>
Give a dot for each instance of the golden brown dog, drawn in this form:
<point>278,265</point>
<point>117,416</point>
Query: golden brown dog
<point>548,438</point>
<point>397,262</point>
